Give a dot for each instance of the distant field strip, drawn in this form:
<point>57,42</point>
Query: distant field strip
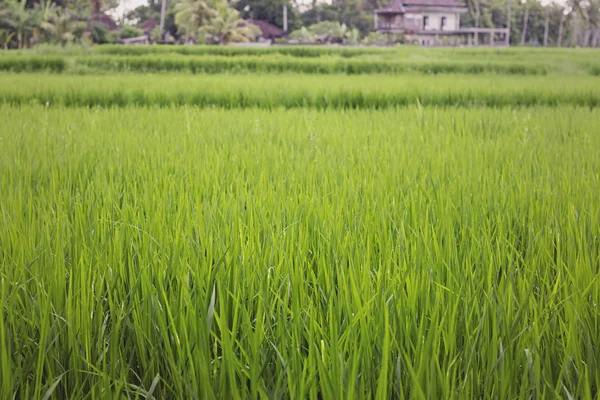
<point>304,254</point>
<point>256,63</point>
<point>293,91</point>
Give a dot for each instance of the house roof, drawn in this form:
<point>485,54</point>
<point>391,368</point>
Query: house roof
<point>106,20</point>
<point>149,25</point>
<point>396,7</point>
<point>399,6</point>
<point>269,31</point>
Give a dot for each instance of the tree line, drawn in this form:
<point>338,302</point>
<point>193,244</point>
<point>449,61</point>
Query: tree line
<point>25,23</point>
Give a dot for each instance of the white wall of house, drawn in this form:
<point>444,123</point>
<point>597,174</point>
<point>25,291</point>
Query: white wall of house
<point>434,21</point>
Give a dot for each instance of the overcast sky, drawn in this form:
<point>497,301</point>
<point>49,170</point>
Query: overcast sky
<point>126,5</point>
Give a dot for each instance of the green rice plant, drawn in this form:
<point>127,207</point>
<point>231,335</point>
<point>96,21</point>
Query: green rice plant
<point>33,64</point>
<point>181,252</point>
<point>298,91</point>
<point>564,61</point>
<point>263,64</point>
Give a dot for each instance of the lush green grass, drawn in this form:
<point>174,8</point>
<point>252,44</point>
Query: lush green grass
<point>317,59</point>
<point>292,91</point>
<point>267,63</point>
<point>189,253</point>
<point>426,228</point>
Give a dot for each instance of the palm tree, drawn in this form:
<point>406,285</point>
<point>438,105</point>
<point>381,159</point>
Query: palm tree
<point>19,20</point>
<point>191,14</point>
<point>46,14</point>
<point>227,26</point>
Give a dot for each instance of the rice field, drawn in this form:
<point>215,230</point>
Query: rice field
<point>298,90</point>
<point>304,60</point>
<point>295,235</point>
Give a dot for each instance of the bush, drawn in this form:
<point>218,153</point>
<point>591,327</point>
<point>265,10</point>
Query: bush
<point>336,31</point>
<point>99,33</point>
<point>129,31</point>
<point>303,35</point>
<point>376,38</point>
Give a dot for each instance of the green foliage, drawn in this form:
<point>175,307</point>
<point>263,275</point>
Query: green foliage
<point>314,91</point>
<point>129,31</point>
<point>276,63</point>
<point>353,36</point>
<point>227,27</point>
<point>303,35</point>
<point>144,13</point>
<point>211,253</point>
<point>331,28</point>
<point>377,38</point>
<point>155,35</point>
<point>190,15</point>
<point>16,18</point>
<point>270,11</point>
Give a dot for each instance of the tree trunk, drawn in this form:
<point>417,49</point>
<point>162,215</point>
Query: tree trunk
<point>94,12</point>
<point>546,23</point>
<point>477,13</point>
<point>595,37</point>
<point>163,10</point>
<point>575,29</point>
<point>586,37</point>
<point>525,22</point>
<point>508,21</point>
<point>561,27</point>
<point>95,7</point>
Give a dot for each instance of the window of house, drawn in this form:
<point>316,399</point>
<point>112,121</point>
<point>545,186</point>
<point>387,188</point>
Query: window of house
<point>443,23</point>
<point>425,22</point>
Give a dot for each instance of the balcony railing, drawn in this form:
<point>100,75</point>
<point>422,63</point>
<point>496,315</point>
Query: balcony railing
<point>404,26</point>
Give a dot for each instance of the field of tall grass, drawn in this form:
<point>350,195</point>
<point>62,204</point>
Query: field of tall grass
<point>299,91</point>
<point>307,60</point>
<point>293,236</point>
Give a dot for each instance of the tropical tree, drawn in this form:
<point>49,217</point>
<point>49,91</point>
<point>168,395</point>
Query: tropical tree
<point>18,19</point>
<point>6,37</point>
<point>227,26</point>
<point>191,14</point>
<point>45,13</point>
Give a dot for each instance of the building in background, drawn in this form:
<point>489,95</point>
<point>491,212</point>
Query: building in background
<point>434,23</point>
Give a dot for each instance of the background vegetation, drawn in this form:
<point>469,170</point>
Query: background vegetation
<point>27,23</point>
